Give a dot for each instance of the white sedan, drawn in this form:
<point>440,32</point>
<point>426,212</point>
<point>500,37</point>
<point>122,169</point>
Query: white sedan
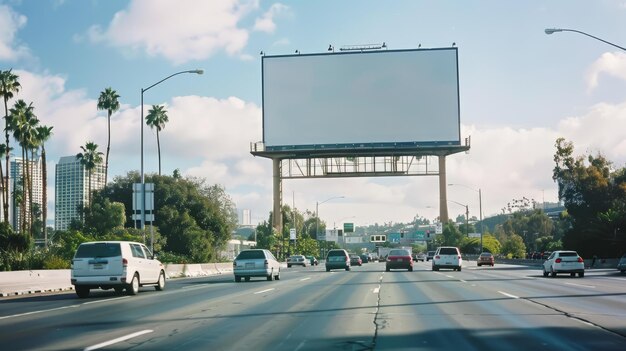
<point>564,262</point>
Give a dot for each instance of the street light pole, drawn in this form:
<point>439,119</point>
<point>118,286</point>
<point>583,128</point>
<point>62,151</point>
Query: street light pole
<point>555,30</point>
<point>317,216</point>
<point>143,183</point>
<point>466,215</point>
<point>480,210</point>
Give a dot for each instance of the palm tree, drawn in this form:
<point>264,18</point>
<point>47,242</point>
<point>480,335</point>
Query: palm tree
<point>22,122</point>
<point>43,134</point>
<point>89,158</point>
<point>108,101</point>
<point>156,118</point>
<point>8,86</point>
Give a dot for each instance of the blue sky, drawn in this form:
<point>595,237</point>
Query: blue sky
<point>520,89</point>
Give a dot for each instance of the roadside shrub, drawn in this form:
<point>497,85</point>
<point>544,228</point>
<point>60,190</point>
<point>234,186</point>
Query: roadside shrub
<point>55,262</point>
<point>169,257</point>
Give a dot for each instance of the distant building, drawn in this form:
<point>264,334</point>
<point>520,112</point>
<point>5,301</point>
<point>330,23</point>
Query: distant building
<point>71,188</point>
<point>16,176</point>
<point>246,217</point>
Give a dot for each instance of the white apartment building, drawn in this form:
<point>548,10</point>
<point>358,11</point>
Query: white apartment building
<point>71,188</point>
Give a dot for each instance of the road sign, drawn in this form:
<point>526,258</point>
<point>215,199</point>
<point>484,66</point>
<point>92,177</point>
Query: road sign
<point>292,233</point>
<point>474,235</point>
<point>348,227</point>
<point>439,228</point>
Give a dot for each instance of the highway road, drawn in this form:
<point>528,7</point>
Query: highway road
<point>480,308</point>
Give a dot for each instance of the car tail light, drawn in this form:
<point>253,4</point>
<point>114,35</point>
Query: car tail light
<point>580,259</point>
<point>558,260</point>
<point>124,262</point>
<point>437,257</point>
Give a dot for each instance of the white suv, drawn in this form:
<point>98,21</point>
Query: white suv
<point>447,257</point>
<point>115,264</point>
<point>564,262</point>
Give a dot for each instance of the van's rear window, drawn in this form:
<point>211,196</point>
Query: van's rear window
<point>98,250</point>
<point>250,255</point>
<point>448,251</point>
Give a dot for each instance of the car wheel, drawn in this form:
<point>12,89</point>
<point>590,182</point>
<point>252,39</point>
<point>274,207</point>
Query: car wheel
<point>572,274</point>
<point>581,274</point>
<point>623,271</point>
<point>133,287</point>
<point>545,274</point>
<point>327,269</point>
<point>269,277</point>
<point>410,269</point>
<point>247,279</point>
<point>288,266</point>
<point>237,278</point>
<point>552,273</point>
<point>277,276</point>
<point>161,283</point>
<point>387,269</point>
<point>459,268</point>
<point>347,268</point>
<point>82,291</point>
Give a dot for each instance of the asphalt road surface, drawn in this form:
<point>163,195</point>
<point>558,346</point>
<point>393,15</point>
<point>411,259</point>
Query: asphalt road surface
<point>480,308</point>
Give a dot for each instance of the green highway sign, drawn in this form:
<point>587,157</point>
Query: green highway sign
<point>348,227</point>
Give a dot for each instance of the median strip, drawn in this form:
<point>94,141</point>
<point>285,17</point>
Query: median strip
<point>120,339</point>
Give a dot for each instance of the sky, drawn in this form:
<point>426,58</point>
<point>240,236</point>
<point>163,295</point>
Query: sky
<point>520,90</point>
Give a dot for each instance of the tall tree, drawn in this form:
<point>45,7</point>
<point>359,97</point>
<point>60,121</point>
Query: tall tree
<point>90,158</point>
<point>9,85</point>
<point>43,134</point>
<point>156,118</point>
<point>4,150</point>
<point>22,122</point>
<point>108,101</point>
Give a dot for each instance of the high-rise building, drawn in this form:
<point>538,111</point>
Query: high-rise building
<point>246,217</point>
<point>17,170</point>
<point>71,188</point>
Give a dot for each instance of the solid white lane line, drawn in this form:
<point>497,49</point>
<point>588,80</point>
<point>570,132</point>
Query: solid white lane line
<point>376,290</point>
<point>449,276</point>
<point>463,281</point>
<point>195,286</point>
<point>508,295</point>
<point>115,298</point>
<point>40,311</point>
<point>263,291</point>
<point>303,279</point>
<point>584,286</point>
<point>120,339</point>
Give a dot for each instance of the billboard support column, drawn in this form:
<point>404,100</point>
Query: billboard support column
<point>443,196</point>
<point>277,218</point>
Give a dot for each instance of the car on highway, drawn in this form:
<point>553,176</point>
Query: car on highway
<point>621,265</point>
<point>337,259</point>
<point>355,260</point>
<point>430,255</point>
<point>447,257</point>
<point>312,260</point>
<point>256,263</point>
<point>297,260</point>
<point>118,265</point>
<point>365,258</point>
<point>399,259</point>
<point>564,261</point>
<point>485,258</point>
<point>420,257</point>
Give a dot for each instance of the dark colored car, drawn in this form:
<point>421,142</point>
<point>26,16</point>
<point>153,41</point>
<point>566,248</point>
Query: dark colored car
<point>365,258</point>
<point>430,255</point>
<point>355,260</point>
<point>313,260</point>
<point>485,258</point>
<point>399,259</point>
<point>337,259</point>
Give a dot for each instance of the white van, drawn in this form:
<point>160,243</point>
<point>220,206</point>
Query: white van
<point>115,264</point>
<point>447,257</point>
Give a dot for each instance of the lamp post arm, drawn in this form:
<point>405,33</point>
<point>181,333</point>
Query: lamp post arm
<point>198,71</point>
<point>550,31</point>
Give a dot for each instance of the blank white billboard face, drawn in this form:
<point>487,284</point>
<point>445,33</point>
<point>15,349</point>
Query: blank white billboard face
<point>366,99</point>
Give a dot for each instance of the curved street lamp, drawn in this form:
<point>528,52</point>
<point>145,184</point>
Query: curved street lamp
<point>143,183</point>
<point>555,30</point>
<point>466,215</point>
<point>317,215</point>
<point>480,210</point>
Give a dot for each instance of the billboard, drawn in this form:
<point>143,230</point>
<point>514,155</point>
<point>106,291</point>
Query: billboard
<point>371,99</point>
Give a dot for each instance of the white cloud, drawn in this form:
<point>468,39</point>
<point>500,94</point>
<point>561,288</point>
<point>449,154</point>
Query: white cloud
<point>10,23</point>
<point>611,63</point>
<point>265,23</point>
<point>180,31</point>
<point>210,138</point>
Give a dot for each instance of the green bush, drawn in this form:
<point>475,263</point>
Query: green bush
<point>168,257</point>
<point>55,262</point>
